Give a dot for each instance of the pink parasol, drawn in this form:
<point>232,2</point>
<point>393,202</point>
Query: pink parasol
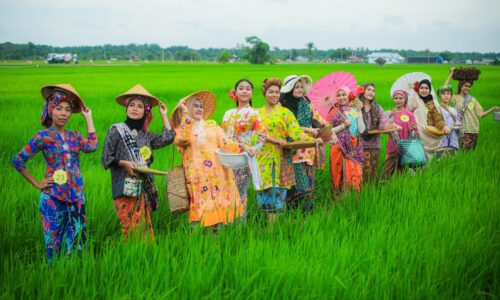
<point>323,94</point>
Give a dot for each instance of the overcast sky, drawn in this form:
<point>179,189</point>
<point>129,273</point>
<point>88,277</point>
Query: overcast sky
<point>455,25</point>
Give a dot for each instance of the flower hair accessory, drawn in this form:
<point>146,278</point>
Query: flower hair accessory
<point>352,97</point>
<point>232,95</point>
<point>361,90</point>
<point>416,86</point>
<point>147,109</point>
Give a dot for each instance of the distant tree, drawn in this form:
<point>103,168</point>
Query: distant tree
<point>257,52</point>
<point>446,55</point>
<point>380,61</point>
<point>496,62</point>
<point>310,47</point>
<point>294,54</point>
<point>225,56</point>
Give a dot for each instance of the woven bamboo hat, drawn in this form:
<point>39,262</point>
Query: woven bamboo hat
<point>137,90</point>
<point>208,100</point>
<point>67,88</point>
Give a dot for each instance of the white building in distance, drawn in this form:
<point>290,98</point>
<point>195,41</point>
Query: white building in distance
<point>390,58</point>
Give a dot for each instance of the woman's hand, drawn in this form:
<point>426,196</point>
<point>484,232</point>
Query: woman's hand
<point>279,142</point>
<point>128,166</point>
<point>320,141</point>
<point>452,70</point>
<point>45,183</point>
<point>86,113</point>
<point>359,105</point>
<point>249,150</point>
<point>414,105</point>
<point>447,130</point>
<point>347,123</point>
<point>163,109</point>
<point>183,106</point>
<point>335,139</point>
<point>313,131</point>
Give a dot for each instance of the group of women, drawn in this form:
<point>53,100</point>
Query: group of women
<point>217,194</point>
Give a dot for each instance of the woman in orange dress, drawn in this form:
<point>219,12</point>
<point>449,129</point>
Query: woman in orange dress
<point>214,196</point>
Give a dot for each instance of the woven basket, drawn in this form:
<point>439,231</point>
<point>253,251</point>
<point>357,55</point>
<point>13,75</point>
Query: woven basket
<point>325,133</point>
<point>467,74</point>
<point>177,193</point>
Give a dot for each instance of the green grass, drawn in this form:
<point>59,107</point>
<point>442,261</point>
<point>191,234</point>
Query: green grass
<point>432,235</point>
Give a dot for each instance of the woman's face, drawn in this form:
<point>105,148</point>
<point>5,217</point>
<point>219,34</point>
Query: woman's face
<point>465,88</point>
<point>272,94</point>
<point>298,90</point>
<point>424,90</point>
<point>196,109</point>
<point>369,93</point>
<point>135,109</point>
<point>244,92</point>
<point>399,101</point>
<point>61,114</point>
<point>342,97</point>
<point>445,97</point>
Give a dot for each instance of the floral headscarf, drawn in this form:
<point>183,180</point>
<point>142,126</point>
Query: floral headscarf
<point>51,102</point>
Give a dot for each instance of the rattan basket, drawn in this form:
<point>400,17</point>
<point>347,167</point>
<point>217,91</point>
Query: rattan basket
<point>467,74</point>
<point>177,192</point>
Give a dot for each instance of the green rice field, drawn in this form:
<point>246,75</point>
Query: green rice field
<point>431,235</point>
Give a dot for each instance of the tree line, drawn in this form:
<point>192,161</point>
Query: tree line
<point>254,51</point>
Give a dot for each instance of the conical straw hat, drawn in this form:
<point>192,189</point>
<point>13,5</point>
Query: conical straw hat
<point>78,104</point>
<point>137,90</point>
<point>208,100</point>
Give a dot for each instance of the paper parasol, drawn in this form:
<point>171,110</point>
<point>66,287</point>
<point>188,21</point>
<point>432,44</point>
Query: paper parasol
<point>327,87</point>
<point>406,82</point>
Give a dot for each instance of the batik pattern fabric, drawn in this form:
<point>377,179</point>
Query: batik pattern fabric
<point>469,110</point>
<point>61,153</point>
<point>370,165</point>
<point>214,196</point>
<point>431,142</point>
<point>451,118</point>
<point>243,125</point>
<point>392,166</point>
<point>305,159</point>
<point>346,157</point>
<point>134,215</point>
<point>115,149</point>
<point>407,121</point>
<point>64,225</point>
<point>468,141</point>
<point>280,124</point>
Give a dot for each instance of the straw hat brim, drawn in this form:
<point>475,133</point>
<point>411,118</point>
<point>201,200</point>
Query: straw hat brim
<point>137,90</point>
<point>288,85</point>
<point>78,104</point>
<point>208,100</point>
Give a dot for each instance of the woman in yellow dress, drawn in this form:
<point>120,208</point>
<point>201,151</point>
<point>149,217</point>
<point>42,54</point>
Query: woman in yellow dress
<point>214,197</point>
<point>277,174</point>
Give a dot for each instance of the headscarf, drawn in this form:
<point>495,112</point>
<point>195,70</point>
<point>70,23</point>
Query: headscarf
<point>428,97</point>
<point>401,93</point>
<point>347,90</point>
<point>51,102</point>
<point>144,122</point>
<point>198,125</point>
